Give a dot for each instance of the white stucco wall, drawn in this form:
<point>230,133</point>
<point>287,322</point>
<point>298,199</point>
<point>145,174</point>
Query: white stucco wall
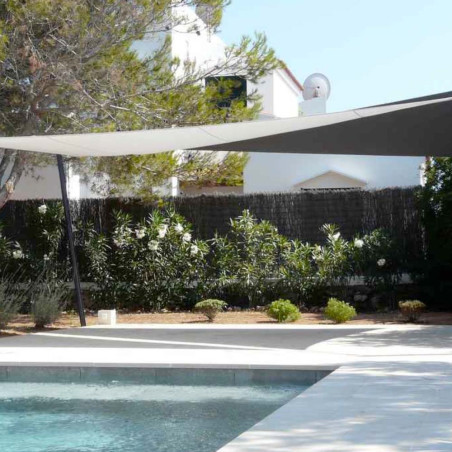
<point>204,48</point>
<point>44,183</point>
<point>286,96</point>
<point>201,47</point>
<point>150,44</point>
<point>265,90</point>
<point>281,172</point>
<point>279,95</point>
<point>316,106</point>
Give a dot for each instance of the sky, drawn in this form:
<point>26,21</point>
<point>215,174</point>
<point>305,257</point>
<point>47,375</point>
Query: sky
<point>373,51</point>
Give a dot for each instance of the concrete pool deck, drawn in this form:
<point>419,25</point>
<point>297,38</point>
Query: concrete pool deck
<point>391,389</point>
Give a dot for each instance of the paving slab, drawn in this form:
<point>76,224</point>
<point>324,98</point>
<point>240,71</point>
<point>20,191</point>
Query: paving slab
<point>394,395</point>
<point>364,407</point>
<point>181,337</point>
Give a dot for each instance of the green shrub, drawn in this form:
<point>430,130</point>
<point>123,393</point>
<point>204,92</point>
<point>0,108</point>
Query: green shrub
<point>248,257</point>
<point>155,263</point>
<point>150,265</point>
<point>210,308</point>
<point>412,309</point>
<point>283,311</point>
<point>300,275</point>
<point>339,311</point>
<point>435,202</point>
<point>48,300</point>
<point>333,258</point>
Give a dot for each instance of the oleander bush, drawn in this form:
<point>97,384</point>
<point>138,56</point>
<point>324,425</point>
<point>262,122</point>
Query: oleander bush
<point>299,274</point>
<point>378,259</point>
<point>150,265</point>
<point>339,311</point>
<point>155,263</point>
<point>42,248</point>
<point>283,311</point>
<point>210,308</point>
<point>248,259</point>
<point>412,309</point>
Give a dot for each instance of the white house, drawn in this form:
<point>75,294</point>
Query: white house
<point>281,94</point>
<point>294,172</point>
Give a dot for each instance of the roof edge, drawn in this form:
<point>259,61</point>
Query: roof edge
<point>293,78</point>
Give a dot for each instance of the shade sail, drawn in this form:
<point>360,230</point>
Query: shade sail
<point>407,128</point>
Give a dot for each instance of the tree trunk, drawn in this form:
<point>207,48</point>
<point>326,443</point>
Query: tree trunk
<point>5,162</point>
<point>17,159</point>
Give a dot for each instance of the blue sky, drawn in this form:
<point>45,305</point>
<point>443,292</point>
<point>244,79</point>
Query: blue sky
<point>372,51</point>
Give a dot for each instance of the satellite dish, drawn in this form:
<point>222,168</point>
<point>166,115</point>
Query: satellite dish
<point>316,85</point>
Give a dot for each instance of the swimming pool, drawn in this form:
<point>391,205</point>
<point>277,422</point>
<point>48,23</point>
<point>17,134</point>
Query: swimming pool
<point>137,412</point>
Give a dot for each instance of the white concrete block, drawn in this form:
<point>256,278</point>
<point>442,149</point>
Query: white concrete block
<point>106,317</point>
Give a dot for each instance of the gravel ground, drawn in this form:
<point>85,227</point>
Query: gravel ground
<point>23,324</point>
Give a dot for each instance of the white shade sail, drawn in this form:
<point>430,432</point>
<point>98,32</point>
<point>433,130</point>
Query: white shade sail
<point>417,127</point>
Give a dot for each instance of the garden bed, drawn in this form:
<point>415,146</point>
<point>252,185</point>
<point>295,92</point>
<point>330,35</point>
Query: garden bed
<point>23,323</point>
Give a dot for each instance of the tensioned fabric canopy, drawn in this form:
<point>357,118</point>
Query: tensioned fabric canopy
<point>415,127</point>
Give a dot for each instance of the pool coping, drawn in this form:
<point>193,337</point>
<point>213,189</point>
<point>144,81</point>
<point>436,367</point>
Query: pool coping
<point>331,368</point>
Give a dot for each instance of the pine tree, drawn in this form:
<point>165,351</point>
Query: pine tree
<point>68,66</point>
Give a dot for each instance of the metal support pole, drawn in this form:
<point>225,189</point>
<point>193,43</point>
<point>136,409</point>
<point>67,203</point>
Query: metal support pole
<point>70,237</point>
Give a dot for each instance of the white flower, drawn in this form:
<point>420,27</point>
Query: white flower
<point>178,228</point>
<point>153,245</point>
<point>194,250</point>
<point>42,209</point>
<point>162,231</point>
<point>381,262</point>
<point>359,243</point>
<point>140,233</point>
<point>317,252</point>
<point>186,237</point>
<point>18,254</point>
<point>46,257</point>
<point>336,236</point>
<point>119,242</point>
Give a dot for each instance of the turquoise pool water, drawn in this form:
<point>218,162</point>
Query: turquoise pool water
<point>116,417</point>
